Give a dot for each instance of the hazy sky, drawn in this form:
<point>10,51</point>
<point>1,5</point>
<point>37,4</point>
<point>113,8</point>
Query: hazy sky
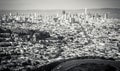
<point>58,4</point>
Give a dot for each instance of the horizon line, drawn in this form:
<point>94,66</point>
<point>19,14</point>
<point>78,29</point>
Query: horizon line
<point>60,9</point>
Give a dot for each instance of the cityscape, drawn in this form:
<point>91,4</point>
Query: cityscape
<point>76,39</point>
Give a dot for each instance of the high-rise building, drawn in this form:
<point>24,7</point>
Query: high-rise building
<point>63,12</point>
<point>85,10</point>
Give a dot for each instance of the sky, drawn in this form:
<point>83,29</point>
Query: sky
<point>57,4</point>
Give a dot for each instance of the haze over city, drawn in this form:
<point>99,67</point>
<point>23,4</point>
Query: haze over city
<point>57,4</point>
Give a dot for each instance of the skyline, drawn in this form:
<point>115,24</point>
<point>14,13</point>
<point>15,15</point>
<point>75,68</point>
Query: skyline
<point>57,4</point>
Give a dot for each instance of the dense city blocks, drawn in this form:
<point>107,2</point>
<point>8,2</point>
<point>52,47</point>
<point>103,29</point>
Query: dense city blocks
<point>60,40</point>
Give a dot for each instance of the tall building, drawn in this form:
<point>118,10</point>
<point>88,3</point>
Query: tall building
<point>63,12</point>
<point>106,16</point>
<point>86,11</point>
